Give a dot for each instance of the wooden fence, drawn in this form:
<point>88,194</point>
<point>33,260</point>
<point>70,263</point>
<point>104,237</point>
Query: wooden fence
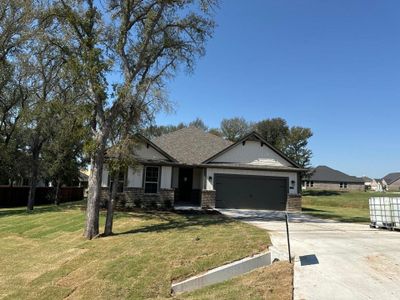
<point>18,196</point>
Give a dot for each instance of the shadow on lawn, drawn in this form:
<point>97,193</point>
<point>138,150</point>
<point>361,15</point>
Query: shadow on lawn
<point>186,219</point>
<point>322,193</point>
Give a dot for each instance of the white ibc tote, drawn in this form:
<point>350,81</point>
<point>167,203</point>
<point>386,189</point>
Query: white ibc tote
<point>395,204</point>
<point>380,212</point>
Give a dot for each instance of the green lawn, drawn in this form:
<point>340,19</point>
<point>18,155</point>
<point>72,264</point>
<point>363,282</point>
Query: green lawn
<point>272,282</point>
<point>340,206</point>
<point>44,256</point>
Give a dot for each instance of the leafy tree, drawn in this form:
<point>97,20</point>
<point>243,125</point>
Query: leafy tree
<point>274,131</point>
<point>146,41</point>
<point>15,30</point>
<point>155,131</point>
<point>63,156</point>
<point>235,128</point>
<point>296,146</point>
<point>199,123</point>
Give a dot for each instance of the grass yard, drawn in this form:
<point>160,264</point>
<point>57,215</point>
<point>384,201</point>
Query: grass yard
<point>272,282</point>
<point>44,256</point>
<point>340,206</point>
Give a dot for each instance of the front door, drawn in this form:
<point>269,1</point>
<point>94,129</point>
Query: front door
<point>185,184</point>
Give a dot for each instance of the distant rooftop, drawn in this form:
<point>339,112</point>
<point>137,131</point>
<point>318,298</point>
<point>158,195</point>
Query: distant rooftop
<point>324,173</point>
<point>392,177</point>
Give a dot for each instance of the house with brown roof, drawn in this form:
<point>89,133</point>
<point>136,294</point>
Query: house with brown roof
<point>326,178</point>
<point>190,167</point>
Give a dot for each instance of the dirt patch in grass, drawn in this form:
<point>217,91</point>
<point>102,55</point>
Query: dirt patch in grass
<point>272,282</point>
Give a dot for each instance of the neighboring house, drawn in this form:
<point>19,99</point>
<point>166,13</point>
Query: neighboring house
<point>378,185</point>
<point>195,168</point>
<point>325,178</point>
<point>367,182</point>
<point>83,180</point>
<point>393,181</point>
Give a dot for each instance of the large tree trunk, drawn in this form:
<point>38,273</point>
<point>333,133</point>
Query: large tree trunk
<point>33,181</point>
<point>93,201</point>
<point>110,205</point>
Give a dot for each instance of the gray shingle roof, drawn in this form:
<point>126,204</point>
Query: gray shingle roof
<point>324,173</point>
<point>191,145</point>
<point>392,177</point>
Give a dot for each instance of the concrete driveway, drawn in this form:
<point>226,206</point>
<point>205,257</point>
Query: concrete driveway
<point>333,260</point>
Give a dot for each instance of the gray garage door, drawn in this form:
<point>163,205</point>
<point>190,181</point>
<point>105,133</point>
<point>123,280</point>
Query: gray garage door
<point>253,192</point>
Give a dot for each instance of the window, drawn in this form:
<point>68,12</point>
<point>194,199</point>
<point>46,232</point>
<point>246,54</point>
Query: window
<point>345,185</point>
<point>312,183</point>
<point>151,180</point>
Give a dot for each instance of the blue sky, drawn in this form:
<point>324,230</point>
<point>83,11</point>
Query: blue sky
<point>333,66</point>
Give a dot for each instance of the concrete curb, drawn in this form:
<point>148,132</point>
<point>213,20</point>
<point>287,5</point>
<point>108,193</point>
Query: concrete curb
<point>222,273</point>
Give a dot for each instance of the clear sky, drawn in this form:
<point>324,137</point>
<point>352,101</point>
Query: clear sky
<point>333,66</point>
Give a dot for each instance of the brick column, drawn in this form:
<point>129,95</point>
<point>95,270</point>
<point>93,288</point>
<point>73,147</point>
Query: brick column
<point>293,203</point>
<point>167,198</point>
<point>208,198</point>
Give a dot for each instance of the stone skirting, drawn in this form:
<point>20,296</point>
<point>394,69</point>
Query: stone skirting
<point>208,198</point>
<point>293,203</point>
<point>136,197</point>
<point>104,196</point>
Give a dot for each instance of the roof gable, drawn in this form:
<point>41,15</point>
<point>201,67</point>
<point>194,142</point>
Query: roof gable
<point>191,145</point>
<point>392,177</point>
<point>252,150</point>
<point>324,173</point>
<point>147,150</point>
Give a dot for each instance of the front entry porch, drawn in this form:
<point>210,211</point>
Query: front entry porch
<point>188,185</point>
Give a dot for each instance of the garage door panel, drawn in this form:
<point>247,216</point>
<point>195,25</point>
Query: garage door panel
<point>253,192</point>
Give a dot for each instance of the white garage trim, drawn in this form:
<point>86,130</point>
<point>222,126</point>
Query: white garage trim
<point>292,176</point>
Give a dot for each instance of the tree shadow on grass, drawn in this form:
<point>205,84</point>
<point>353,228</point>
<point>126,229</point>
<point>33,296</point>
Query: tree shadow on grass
<point>185,219</point>
<point>322,193</point>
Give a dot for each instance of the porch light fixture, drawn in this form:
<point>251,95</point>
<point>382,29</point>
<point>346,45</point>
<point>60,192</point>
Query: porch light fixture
<point>210,178</point>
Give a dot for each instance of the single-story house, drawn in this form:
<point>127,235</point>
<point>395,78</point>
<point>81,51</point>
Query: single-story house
<point>325,178</point>
<point>190,167</point>
<point>374,184</point>
<point>393,181</point>
<point>378,185</point>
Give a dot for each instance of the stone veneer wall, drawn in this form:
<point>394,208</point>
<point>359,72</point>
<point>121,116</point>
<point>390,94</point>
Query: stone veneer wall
<point>293,203</point>
<point>208,198</point>
<point>335,186</point>
<point>136,197</point>
<point>104,196</point>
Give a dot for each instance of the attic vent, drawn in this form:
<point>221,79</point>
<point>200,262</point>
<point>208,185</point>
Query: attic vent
<point>262,144</point>
<point>244,143</point>
<point>147,145</point>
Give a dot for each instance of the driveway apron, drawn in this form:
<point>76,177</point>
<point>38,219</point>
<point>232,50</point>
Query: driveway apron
<point>333,260</point>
